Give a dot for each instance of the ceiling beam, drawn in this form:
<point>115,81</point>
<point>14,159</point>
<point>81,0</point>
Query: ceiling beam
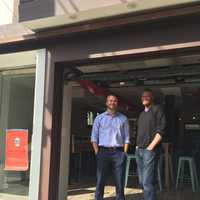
<point>143,74</point>
<point>103,92</point>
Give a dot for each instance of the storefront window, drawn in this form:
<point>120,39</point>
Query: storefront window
<point>16,112</point>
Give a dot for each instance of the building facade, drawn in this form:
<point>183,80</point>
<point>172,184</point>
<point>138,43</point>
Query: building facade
<point>52,38</point>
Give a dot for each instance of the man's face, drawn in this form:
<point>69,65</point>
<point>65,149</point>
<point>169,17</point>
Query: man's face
<point>147,98</point>
<point>112,103</point>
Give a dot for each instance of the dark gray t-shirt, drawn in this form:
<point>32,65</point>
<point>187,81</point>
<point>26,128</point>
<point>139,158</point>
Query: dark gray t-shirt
<point>150,123</point>
<point>144,126</point>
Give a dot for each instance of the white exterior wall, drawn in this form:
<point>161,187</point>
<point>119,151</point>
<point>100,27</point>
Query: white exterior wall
<point>6,11</point>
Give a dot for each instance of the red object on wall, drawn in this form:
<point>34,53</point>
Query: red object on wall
<point>92,88</point>
<point>100,91</point>
<point>16,158</point>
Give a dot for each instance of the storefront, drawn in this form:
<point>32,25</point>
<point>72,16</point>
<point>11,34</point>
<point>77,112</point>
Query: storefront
<point>17,82</point>
<point>46,94</point>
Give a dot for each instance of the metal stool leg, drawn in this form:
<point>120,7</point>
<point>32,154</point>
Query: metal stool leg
<point>196,176</point>
<point>192,175</point>
<point>182,172</point>
<point>171,169</point>
<point>178,173</point>
<point>159,175</point>
<point>127,171</point>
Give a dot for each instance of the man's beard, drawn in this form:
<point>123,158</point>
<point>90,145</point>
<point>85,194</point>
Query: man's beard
<point>146,103</point>
<point>113,108</point>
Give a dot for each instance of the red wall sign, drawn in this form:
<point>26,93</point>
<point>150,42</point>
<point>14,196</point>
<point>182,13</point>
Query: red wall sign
<point>16,158</point>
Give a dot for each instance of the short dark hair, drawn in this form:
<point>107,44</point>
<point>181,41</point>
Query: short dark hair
<point>111,94</point>
<point>148,90</point>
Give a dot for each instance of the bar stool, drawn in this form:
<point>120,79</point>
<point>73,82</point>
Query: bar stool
<point>193,172</point>
<point>133,157</point>
<point>166,158</point>
<point>159,171</point>
<point>129,158</point>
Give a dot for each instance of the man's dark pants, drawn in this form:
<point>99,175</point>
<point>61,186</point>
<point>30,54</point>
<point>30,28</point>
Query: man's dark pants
<point>110,162</point>
<point>146,164</point>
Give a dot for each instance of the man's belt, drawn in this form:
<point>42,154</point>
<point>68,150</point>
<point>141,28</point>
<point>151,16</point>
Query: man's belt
<point>111,148</point>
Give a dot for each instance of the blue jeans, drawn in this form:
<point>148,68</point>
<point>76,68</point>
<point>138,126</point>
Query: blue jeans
<point>110,162</point>
<point>146,164</point>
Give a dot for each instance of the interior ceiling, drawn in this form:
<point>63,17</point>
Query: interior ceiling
<point>145,64</point>
<point>148,73</point>
<point>179,76</point>
<point>161,71</point>
<point>132,94</point>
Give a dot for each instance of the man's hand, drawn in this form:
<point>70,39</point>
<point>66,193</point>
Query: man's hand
<point>126,148</point>
<point>150,148</point>
<point>155,142</point>
<point>96,152</point>
<point>95,147</point>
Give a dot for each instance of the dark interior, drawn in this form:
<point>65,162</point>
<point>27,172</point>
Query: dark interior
<point>176,85</point>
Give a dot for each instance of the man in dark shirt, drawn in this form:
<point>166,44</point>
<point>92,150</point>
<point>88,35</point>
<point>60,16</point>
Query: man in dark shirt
<point>151,125</point>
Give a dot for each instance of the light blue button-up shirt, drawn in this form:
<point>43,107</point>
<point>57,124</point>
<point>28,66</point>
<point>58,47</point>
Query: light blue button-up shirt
<point>110,131</point>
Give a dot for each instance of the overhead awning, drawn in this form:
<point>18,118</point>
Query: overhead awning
<point>72,12</point>
<point>14,32</point>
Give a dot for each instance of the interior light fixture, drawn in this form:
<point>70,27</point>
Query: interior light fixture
<point>122,83</point>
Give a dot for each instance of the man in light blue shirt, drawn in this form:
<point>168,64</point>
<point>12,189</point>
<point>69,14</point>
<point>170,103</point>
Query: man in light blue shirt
<point>110,139</point>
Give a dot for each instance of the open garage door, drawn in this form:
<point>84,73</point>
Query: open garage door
<point>176,84</point>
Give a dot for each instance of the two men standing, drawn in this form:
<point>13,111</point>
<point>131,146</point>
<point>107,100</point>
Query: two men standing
<point>110,139</point>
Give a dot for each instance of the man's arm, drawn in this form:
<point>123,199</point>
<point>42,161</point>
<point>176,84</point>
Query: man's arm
<point>95,136</point>
<point>95,147</point>
<point>127,136</point>
<point>161,123</point>
<point>157,139</point>
<point>126,148</point>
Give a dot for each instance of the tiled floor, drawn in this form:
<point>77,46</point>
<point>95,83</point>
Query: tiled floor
<point>132,194</point>
<point>78,192</point>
